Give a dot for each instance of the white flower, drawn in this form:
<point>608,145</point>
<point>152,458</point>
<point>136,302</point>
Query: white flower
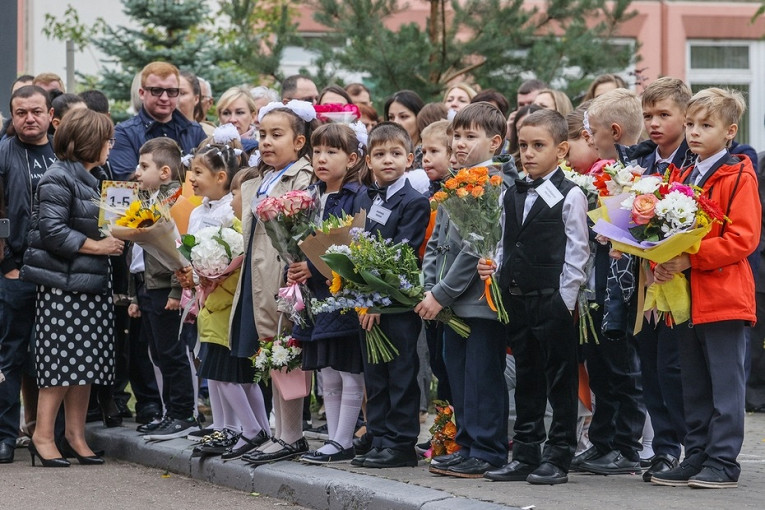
<point>678,212</point>
<point>584,181</point>
<point>339,248</point>
<point>234,240</point>
<point>208,256</point>
<point>279,356</point>
<point>627,202</point>
<point>623,177</point>
<point>646,185</point>
<point>261,360</point>
<point>225,133</point>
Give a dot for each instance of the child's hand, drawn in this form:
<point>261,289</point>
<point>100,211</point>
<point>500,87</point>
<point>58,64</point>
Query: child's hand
<point>601,239</point>
<point>185,277</point>
<point>486,268</point>
<point>615,254</point>
<point>429,307</point>
<point>133,311</point>
<point>368,320</point>
<point>173,304</point>
<point>666,271</point>
<point>205,282</point>
<point>298,272</point>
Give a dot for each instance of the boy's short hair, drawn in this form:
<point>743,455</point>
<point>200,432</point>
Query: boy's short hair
<point>618,106</point>
<point>165,152</point>
<point>728,105</point>
<point>430,113</point>
<point>483,115</point>
<point>667,87</point>
<point>161,69</point>
<point>550,120</point>
<point>389,132</point>
<point>439,131</point>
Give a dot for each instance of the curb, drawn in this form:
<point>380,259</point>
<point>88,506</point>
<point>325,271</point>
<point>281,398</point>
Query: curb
<point>317,487</point>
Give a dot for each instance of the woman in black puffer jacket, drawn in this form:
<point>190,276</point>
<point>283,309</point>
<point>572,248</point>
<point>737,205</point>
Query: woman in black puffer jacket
<point>68,259</point>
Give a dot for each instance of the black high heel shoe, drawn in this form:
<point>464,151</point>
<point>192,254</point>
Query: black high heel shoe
<point>68,451</point>
<point>59,462</point>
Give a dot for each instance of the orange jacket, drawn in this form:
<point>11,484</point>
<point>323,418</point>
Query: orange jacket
<point>722,285</point>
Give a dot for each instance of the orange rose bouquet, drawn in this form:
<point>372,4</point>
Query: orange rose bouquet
<point>443,431</point>
<point>472,198</point>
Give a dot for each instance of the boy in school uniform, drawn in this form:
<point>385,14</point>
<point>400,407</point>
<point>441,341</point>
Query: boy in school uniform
<point>545,249</point>
<point>722,296</point>
<point>155,298</point>
<point>475,365</point>
<point>400,213</point>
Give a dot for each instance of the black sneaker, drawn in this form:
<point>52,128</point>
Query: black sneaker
<point>677,477</point>
<point>173,428</point>
<point>153,425</point>
<point>711,478</point>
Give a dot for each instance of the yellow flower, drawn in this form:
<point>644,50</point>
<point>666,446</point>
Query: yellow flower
<point>337,283</point>
<point>361,310</point>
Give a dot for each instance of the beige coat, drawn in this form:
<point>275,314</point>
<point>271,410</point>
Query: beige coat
<point>266,265</point>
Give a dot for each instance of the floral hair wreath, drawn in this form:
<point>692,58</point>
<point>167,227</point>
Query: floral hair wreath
<point>302,109</point>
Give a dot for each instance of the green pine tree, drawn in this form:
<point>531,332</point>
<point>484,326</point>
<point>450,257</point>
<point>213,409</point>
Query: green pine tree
<point>507,42</point>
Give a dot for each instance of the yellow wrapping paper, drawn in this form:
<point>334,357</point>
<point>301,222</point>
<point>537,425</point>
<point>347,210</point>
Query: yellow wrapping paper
<point>672,297</point>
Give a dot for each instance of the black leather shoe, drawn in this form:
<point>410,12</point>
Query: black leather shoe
<point>661,463</point>
<point>249,445</point>
<point>362,445</point>
<point>390,458</point>
<point>711,478</point>
<point>122,408</point>
<point>358,460</point>
<point>547,474</point>
<point>440,465</point>
<point>288,451</point>
<point>317,457</point>
<point>148,413</point>
<point>612,463</point>
<point>589,454</point>
<point>470,468</point>
<point>92,460</point>
<point>515,471</point>
<point>677,477</point>
<point>6,453</point>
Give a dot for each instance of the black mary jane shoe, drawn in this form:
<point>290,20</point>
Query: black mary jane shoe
<point>316,457</point>
<point>248,446</point>
<point>58,462</point>
<point>288,451</point>
<point>91,460</point>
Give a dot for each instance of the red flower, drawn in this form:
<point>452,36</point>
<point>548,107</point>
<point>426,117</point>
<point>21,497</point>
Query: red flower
<point>711,208</point>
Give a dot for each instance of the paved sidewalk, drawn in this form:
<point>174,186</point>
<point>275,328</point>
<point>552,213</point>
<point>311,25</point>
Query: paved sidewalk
<point>343,486</point>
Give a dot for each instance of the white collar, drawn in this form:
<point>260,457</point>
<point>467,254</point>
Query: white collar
<point>395,187</point>
<point>704,166</point>
<point>659,159</point>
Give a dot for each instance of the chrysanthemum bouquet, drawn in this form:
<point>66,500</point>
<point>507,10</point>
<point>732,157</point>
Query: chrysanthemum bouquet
<point>373,275</point>
<point>472,199</point>
<point>282,352</point>
<point>148,223</point>
<point>658,220</point>
<point>288,220</point>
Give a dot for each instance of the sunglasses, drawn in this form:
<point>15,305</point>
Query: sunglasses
<point>158,91</point>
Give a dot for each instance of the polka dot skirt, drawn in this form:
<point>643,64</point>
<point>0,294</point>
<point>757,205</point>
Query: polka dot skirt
<point>74,338</point>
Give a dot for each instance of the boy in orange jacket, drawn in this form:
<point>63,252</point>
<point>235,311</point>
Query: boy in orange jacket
<point>722,297</point>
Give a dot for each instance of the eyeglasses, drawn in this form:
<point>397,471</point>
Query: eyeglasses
<point>158,91</point>
<point>111,142</point>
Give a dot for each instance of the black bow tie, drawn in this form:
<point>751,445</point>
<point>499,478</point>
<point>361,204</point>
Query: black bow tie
<point>377,191</point>
<point>522,185</point>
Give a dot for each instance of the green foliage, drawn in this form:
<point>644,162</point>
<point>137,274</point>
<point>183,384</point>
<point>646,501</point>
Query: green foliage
<point>506,43</point>
<point>68,28</point>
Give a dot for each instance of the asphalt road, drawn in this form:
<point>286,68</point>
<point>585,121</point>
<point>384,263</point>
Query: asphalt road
<point>116,485</point>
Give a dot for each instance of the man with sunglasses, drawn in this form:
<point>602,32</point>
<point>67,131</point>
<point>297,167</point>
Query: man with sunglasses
<point>160,87</point>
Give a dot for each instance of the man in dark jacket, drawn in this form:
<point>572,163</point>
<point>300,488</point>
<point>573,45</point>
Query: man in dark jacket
<point>24,158</point>
<point>158,117</point>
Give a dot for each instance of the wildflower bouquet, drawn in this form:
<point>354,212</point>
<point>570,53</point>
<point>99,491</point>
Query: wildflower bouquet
<point>148,223</point>
<point>282,352</point>
<point>472,199</point>
<point>287,220</point>
<point>443,431</point>
<point>373,275</point>
<point>658,220</point>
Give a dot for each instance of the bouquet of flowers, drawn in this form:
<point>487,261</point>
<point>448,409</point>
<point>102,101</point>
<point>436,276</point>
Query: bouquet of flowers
<point>288,220</point>
<point>472,199</point>
<point>148,223</point>
<point>282,352</point>
<point>215,253</point>
<point>616,178</point>
<point>658,220</point>
<point>335,112</point>
<point>443,431</point>
<point>373,275</point>
<point>332,231</point>
<point>586,183</point>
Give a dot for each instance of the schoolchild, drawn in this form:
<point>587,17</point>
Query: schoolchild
<point>475,365</point>
<point>332,344</point>
<point>399,213</point>
<point>722,296</point>
<point>612,362</point>
<point>285,149</point>
<point>545,249</point>
<point>155,297</point>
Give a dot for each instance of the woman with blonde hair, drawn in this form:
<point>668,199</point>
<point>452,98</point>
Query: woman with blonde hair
<point>236,106</point>
<point>557,100</point>
<point>458,96</point>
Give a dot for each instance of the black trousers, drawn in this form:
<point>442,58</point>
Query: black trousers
<point>662,385</point>
<point>614,372</point>
<point>434,335</point>
<point>544,342</point>
<point>755,384</point>
<point>160,330</point>
<point>712,368</point>
<point>393,396</point>
<point>476,367</point>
